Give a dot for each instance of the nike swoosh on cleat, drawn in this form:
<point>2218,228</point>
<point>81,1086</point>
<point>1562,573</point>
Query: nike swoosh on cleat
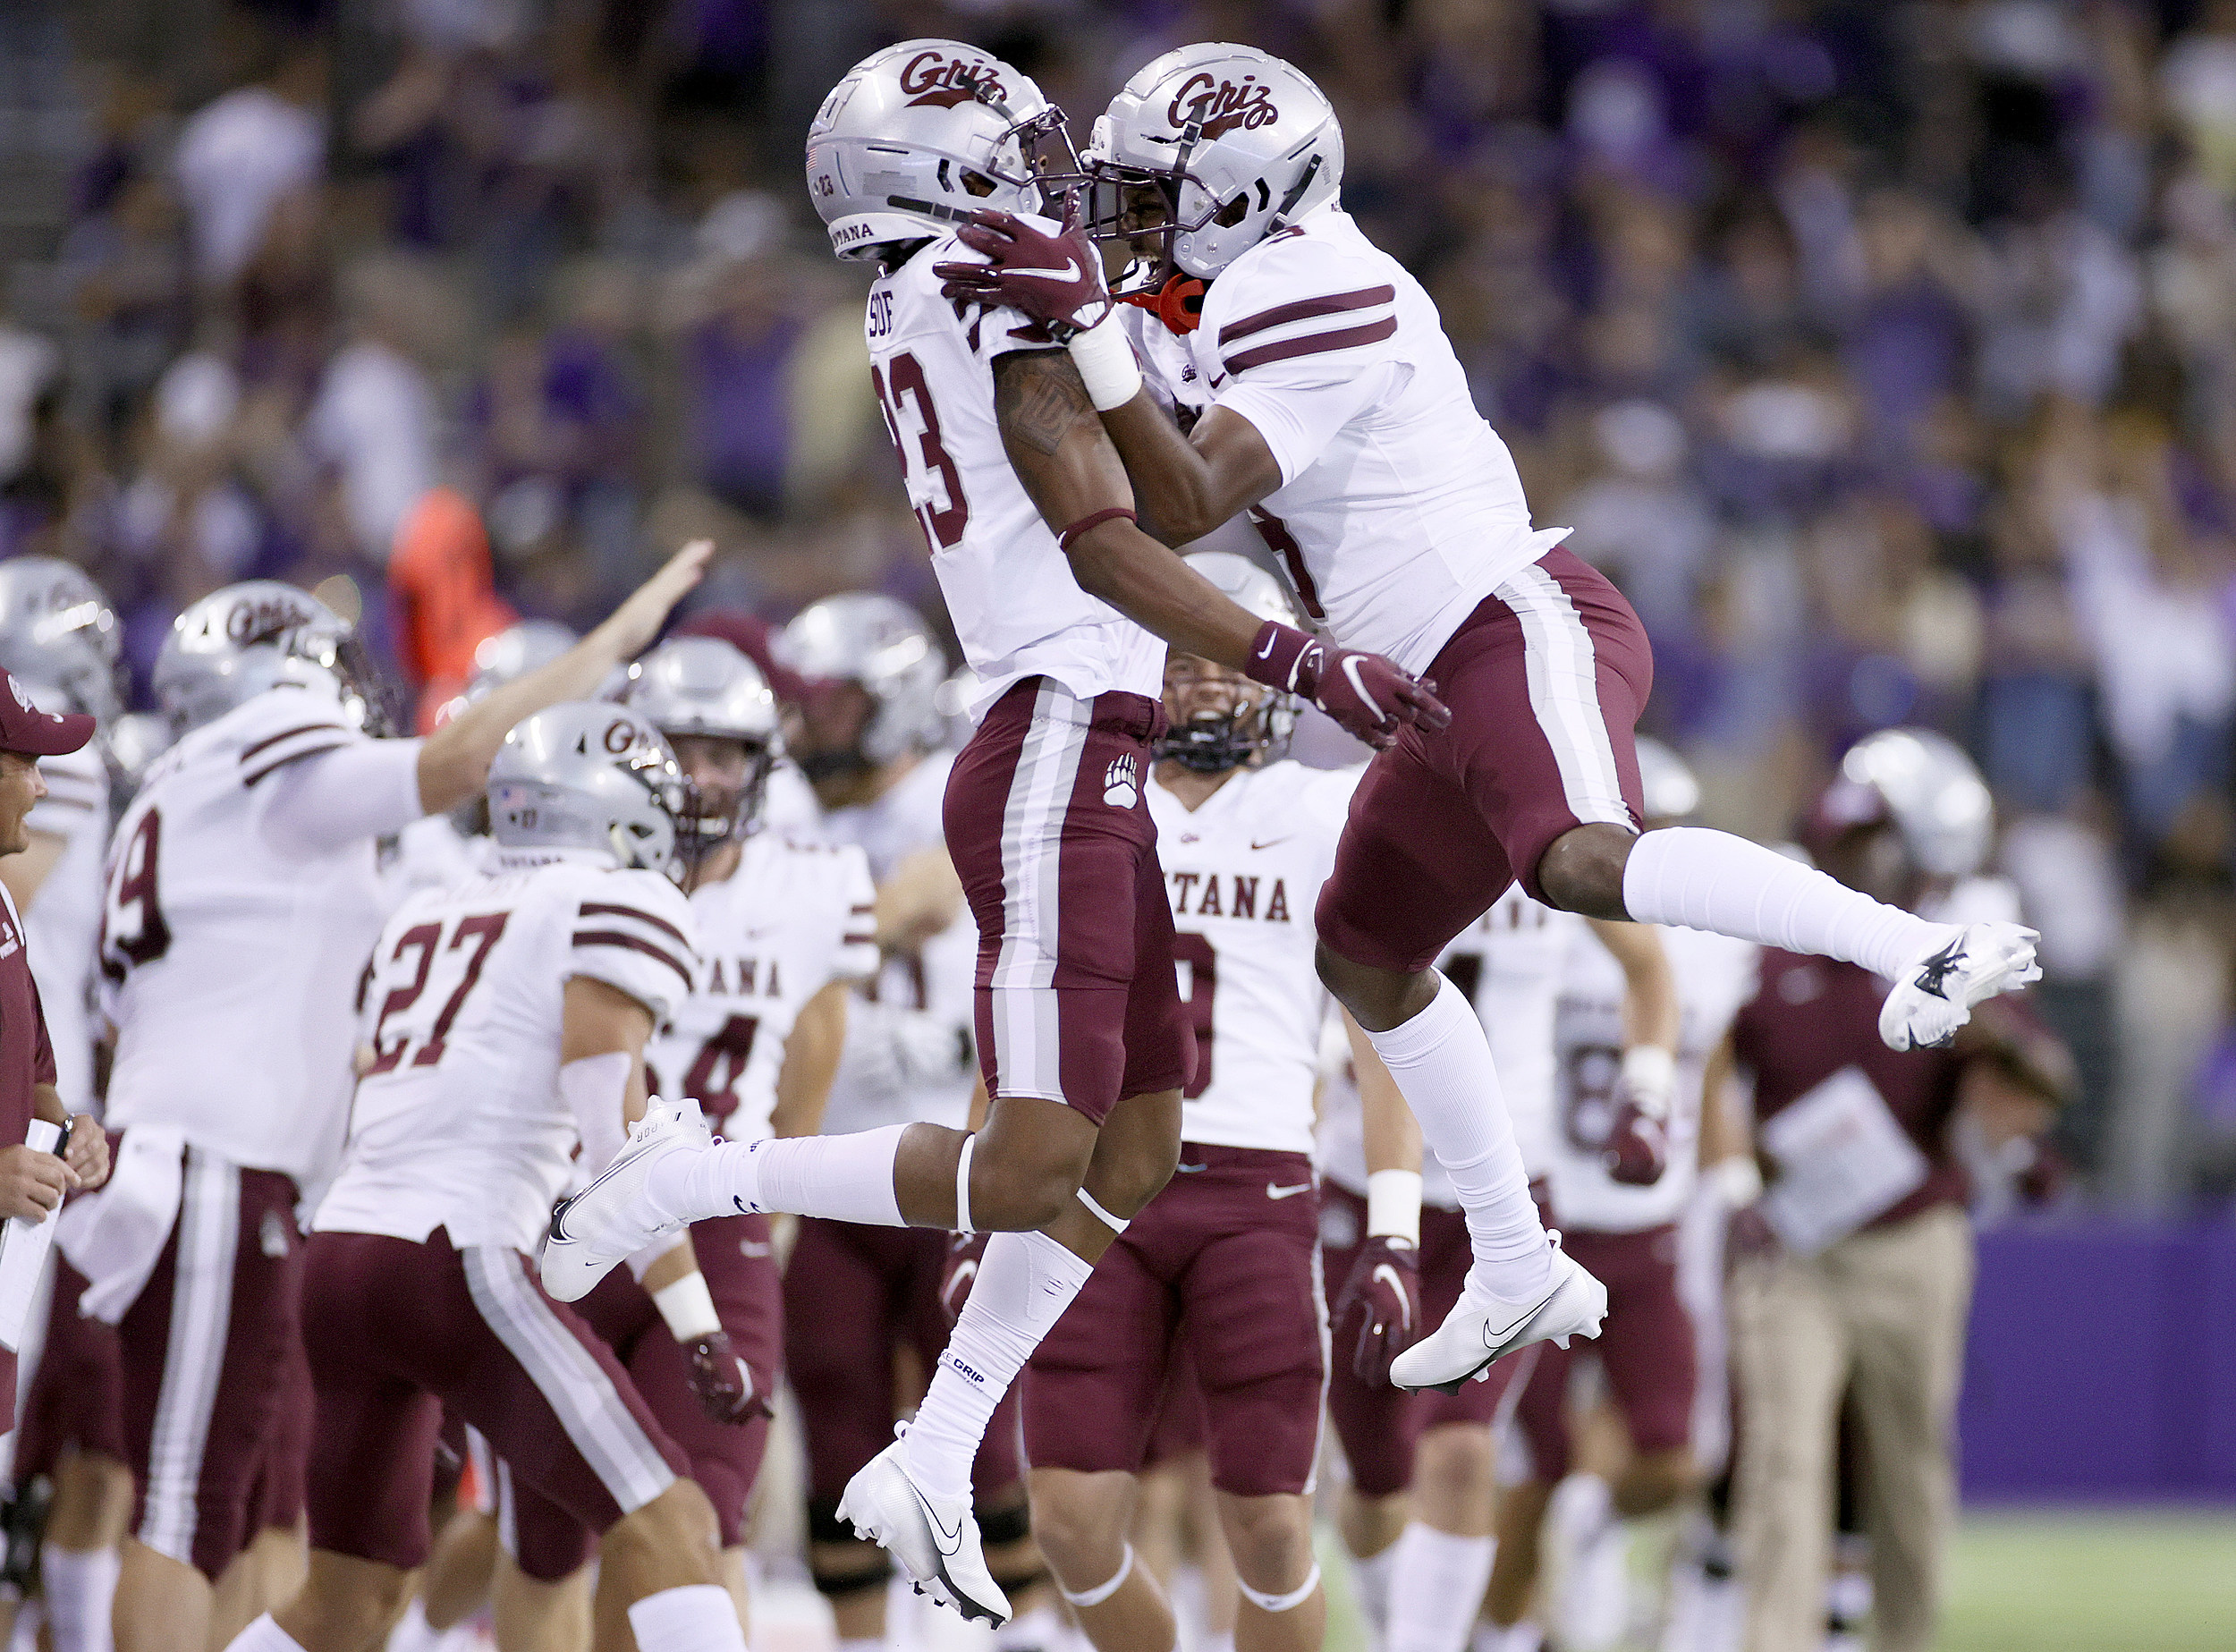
<point>949,1541</point>
<point>1278,1192</point>
<point>1937,969</point>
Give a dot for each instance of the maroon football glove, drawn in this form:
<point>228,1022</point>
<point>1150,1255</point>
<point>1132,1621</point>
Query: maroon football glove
<point>960,1273</point>
<point>1368,696</point>
<point>1635,1152</point>
<point>722,1382</point>
<point>1379,1311</point>
<point>1057,280</point>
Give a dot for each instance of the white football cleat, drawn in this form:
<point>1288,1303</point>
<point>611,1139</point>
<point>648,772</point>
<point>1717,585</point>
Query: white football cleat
<point>608,1220</point>
<point>1481,1328</point>
<point>1934,994</point>
<point>935,1540</point>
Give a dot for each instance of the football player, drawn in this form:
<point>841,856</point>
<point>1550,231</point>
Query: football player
<point>868,742</point>
<point>1224,1264</point>
<point>503,1019</point>
<point>59,638</point>
<point>1342,419</point>
<point>784,931</point>
<point>1620,1218</point>
<point>1059,600</point>
<point>1419,1514</point>
<point>242,900</point>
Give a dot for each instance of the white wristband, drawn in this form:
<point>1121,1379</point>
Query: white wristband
<point>1650,1073</point>
<point>1104,356</point>
<point>1394,1205</point>
<point>1736,1181</point>
<point>689,1307</point>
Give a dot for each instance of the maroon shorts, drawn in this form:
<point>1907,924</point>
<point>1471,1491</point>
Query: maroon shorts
<point>1226,1259</point>
<point>1546,681</point>
<point>1077,1000</point>
<point>76,1399</point>
<point>1182,1430</point>
<point>277,1501</point>
<point>1646,1347</point>
<point>1378,1426</point>
<point>841,1365</point>
<point>205,1348</point>
<point>739,1261</point>
<point>397,1329</point>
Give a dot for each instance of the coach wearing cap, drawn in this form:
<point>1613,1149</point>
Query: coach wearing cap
<point>31,1183</point>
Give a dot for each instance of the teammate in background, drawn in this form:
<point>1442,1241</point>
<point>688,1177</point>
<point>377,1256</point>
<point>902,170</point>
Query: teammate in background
<point>868,742</point>
<point>502,1019</point>
<point>1619,1216</point>
<point>242,900</point>
<point>59,638</point>
<point>1224,1264</point>
<point>1341,418</point>
<point>784,931</point>
<point>1423,1465</point>
<point>1855,1268</point>
<point>1060,600</point>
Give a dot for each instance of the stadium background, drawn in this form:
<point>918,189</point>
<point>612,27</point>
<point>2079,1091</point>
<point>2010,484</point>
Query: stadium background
<point>1884,352</point>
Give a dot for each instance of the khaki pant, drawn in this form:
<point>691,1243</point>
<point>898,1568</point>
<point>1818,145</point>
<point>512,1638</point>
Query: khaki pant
<point>1884,1309</point>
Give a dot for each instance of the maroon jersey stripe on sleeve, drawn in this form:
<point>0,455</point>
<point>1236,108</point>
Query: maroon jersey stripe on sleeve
<point>284,759</point>
<point>274,739</point>
<point>1304,309</point>
<point>615,937</point>
<point>1314,345</point>
<point>601,908</point>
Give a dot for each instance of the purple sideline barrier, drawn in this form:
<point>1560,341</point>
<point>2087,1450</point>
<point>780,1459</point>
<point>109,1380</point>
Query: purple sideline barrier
<point>2102,1365</point>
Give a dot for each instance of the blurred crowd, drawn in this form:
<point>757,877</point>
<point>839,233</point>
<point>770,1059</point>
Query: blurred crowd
<point>1885,353</point>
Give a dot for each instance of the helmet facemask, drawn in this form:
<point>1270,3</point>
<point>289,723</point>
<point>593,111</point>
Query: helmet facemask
<point>725,785</point>
<point>1221,720</point>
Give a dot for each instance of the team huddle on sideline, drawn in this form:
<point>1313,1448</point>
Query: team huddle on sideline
<point>596,973</point>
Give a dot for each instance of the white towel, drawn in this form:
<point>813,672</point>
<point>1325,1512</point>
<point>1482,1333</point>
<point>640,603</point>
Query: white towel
<point>114,1236</point>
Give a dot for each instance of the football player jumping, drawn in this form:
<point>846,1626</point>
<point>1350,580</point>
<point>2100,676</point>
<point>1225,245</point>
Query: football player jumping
<point>1340,419</point>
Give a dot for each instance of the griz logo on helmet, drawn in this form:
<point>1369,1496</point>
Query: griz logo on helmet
<point>620,735</point>
<point>939,84</point>
<point>260,619</point>
<point>1221,106</point>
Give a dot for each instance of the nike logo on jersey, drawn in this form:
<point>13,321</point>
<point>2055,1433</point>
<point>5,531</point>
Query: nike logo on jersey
<point>1270,842</point>
<point>1279,1192</point>
<point>1069,272</point>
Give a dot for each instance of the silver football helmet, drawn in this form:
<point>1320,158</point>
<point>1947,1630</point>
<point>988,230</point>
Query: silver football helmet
<point>589,775</point>
<point>1932,792</point>
<point>239,641</point>
<point>58,634</point>
<point>878,642</point>
<point>920,135</point>
<point>705,687</point>
<point>1671,792</point>
<point>1256,720</point>
<point>1240,143</point>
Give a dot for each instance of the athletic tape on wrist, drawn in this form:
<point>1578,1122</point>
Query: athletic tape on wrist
<point>1094,519</point>
<point>963,1185</point>
<point>1294,1598</point>
<point>689,1307</point>
<point>1114,1224</point>
<point>1394,1205</point>
<point>1104,356</point>
<point>1102,1592</point>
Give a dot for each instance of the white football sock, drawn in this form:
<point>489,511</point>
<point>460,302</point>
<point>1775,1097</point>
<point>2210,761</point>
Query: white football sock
<point>865,1643</point>
<point>1436,1589</point>
<point>1025,1282</point>
<point>1037,1630</point>
<point>1522,1637</point>
<point>81,1587</point>
<point>843,1178</point>
<point>698,1617</point>
<point>1712,880</point>
<point>1370,1586</point>
<point>263,1636</point>
<point>1442,1061</point>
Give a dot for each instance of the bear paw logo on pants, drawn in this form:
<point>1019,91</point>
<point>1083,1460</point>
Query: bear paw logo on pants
<point>1121,790</point>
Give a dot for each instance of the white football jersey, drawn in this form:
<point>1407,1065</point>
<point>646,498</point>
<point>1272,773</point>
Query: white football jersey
<point>230,965</point>
<point>63,925</point>
<point>792,917</point>
<point>1715,975</point>
<point>939,981</point>
<point>458,1122</point>
<point>1244,871</point>
<point>1017,610</point>
<point>1509,963</point>
<point>1400,509</point>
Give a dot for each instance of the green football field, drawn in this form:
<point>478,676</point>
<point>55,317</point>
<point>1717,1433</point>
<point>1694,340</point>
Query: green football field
<point>2062,1583</point>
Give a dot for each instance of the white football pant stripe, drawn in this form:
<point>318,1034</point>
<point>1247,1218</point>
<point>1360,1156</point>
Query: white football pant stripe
<point>1028,1059</point>
<point>1561,667</point>
<point>194,1358</point>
